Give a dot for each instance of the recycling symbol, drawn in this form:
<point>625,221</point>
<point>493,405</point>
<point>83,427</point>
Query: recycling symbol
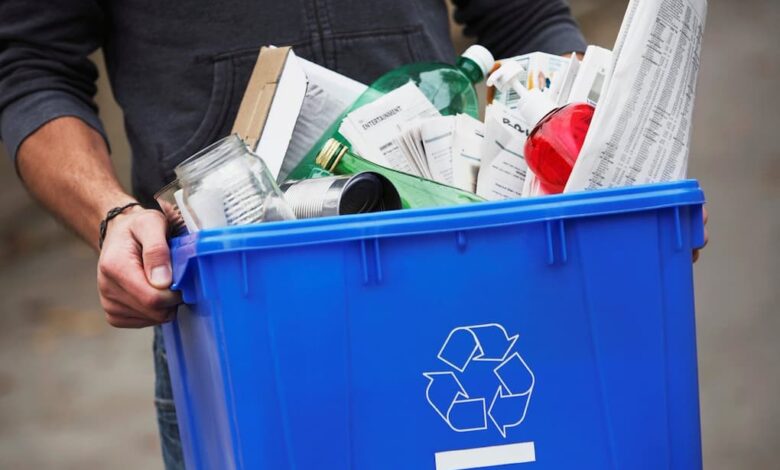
<point>486,380</point>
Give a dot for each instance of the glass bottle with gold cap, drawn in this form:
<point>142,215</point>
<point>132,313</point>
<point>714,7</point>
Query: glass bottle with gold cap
<point>335,157</point>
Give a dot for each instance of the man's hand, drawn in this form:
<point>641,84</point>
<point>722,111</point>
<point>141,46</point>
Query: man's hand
<point>696,253</point>
<point>134,271</point>
<point>66,166</point>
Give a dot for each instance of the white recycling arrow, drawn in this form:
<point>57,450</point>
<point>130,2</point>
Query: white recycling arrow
<point>510,402</point>
<point>447,396</point>
<point>489,342</point>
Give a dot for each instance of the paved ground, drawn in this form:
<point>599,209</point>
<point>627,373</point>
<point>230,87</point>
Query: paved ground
<point>75,394</point>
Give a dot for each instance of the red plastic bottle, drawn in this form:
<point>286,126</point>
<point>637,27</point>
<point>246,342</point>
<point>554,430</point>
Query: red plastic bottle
<point>554,144</point>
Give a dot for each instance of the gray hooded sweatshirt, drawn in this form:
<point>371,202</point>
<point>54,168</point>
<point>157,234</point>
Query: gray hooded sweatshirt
<point>178,68</point>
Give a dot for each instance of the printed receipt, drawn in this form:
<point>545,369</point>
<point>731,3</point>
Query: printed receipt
<point>372,130</point>
<point>641,130</point>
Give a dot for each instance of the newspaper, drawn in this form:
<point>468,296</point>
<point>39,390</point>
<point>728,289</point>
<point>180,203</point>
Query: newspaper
<point>640,132</point>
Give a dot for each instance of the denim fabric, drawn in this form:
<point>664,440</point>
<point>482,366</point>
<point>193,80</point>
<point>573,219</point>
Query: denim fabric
<point>166,411</point>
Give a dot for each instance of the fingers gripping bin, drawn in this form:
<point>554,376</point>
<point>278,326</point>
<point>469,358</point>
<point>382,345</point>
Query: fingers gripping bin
<point>550,333</point>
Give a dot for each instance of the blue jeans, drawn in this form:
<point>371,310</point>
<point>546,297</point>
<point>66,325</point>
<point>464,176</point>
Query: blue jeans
<point>166,410</point>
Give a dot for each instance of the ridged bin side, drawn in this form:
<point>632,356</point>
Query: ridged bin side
<point>321,344</point>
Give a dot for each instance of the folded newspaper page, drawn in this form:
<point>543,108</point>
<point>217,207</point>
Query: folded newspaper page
<point>372,129</point>
<point>641,130</point>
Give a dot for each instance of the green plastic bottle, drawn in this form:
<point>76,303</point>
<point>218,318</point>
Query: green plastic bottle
<point>415,192</point>
<point>449,87</point>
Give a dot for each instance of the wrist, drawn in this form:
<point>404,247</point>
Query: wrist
<point>110,201</point>
<point>125,207</point>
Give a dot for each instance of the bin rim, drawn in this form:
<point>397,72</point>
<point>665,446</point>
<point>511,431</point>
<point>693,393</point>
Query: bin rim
<point>433,220</point>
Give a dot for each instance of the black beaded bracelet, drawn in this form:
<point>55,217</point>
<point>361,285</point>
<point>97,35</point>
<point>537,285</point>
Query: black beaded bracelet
<point>110,215</point>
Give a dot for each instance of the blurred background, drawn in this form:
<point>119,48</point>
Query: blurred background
<point>77,394</point>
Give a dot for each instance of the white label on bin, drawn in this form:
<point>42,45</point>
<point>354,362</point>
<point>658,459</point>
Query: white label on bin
<point>506,407</point>
<point>481,457</point>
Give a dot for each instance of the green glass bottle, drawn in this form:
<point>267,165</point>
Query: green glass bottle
<point>449,87</point>
<point>335,157</point>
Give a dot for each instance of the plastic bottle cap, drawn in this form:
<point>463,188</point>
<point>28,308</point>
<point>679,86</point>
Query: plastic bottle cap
<point>480,56</point>
<point>534,105</point>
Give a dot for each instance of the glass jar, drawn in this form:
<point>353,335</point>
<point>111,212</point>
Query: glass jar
<point>166,199</point>
<point>226,184</point>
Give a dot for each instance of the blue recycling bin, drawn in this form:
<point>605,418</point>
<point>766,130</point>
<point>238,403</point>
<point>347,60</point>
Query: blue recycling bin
<point>548,333</point>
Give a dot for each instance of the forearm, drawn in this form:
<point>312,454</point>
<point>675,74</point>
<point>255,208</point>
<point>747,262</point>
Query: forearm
<point>49,124</point>
<point>66,166</point>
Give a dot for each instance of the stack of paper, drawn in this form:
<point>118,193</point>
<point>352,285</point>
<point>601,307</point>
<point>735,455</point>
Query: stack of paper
<point>372,129</point>
<point>410,144</point>
<point>427,144</point>
<point>437,137</point>
<point>466,152</point>
<point>640,132</point>
<point>403,130</point>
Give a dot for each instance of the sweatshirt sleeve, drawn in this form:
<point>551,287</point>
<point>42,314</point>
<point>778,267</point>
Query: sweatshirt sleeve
<point>45,71</point>
<point>513,27</point>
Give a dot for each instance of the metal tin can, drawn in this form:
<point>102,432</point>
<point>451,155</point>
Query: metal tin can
<point>341,195</point>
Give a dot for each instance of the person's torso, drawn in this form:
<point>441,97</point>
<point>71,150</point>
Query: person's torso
<point>179,69</point>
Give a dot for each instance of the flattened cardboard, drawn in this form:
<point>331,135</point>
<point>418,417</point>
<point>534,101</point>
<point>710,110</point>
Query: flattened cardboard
<point>271,105</point>
<point>259,93</point>
<point>288,103</point>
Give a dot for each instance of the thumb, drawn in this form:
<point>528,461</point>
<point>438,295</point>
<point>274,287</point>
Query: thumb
<point>149,229</point>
